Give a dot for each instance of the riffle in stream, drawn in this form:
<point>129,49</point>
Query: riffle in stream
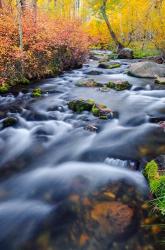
<point>64,187</point>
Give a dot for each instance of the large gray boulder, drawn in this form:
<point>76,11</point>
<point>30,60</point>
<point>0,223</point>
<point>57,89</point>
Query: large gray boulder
<point>147,70</point>
<point>125,53</point>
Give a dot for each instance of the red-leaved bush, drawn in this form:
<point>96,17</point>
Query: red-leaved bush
<point>50,46</point>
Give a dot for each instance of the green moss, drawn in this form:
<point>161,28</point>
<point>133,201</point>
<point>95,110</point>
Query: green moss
<point>36,92</point>
<point>95,111</point>
<point>151,170</point>
<point>109,66</point>
<point>113,56</point>
<point>4,88</point>
<point>81,105</point>
<point>142,53</point>
<point>156,184</point>
<point>99,110</point>
<point>24,81</point>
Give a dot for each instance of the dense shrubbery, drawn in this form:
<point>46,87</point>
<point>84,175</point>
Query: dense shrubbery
<point>49,47</point>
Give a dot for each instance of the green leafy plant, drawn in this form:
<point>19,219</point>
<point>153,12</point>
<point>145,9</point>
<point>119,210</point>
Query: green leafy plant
<point>36,92</point>
<point>156,184</point>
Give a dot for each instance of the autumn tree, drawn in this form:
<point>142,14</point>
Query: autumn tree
<point>101,8</point>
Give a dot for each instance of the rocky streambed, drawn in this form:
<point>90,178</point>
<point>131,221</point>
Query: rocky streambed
<point>71,160</point>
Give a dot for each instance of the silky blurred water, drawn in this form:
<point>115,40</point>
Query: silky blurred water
<point>49,149</point>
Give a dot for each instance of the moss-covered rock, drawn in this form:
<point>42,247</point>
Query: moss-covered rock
<point>101,111</point>
<point>89,83</point>
<point>157,184</point>
<point>81,105</point>
<point>36,92</point>
<point>118,85</point>
<point>4,88</point>
<point>160,80</point>
<point>9,121</point>
<point>109,65</point>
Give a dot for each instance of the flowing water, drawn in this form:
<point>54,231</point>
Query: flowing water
<point>64,187</point>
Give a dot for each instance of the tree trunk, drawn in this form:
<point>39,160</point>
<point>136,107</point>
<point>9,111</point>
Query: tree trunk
<point>20,30</point>
<point>1,5</point>
<point>23,5</point>
<point>112,33</point>
<point>34,4</point>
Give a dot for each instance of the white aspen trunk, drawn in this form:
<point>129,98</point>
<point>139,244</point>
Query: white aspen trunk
<point>20,30</point>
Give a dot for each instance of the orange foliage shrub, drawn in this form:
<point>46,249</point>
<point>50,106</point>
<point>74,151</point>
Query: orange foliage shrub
<point>49,46</point>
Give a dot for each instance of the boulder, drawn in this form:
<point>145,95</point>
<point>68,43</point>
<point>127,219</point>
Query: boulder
<point>118,85</point>
<point>125,53</point>
<point>147,70</point>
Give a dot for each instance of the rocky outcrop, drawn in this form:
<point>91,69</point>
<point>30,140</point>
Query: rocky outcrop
<point>147,70</point>
<point>125,53</point>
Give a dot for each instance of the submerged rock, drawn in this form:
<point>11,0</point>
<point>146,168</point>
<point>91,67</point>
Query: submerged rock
<point>125,53</point>
<point>100,210</point>
<point>118,85</point>
<point>94,72</point>
<point>109,65</point>
<point>104,89</point>
<point>9,121</point>
<point>91,128</point>
<point>160,80</point>
<point>147,70</point>
<point>89,83</point>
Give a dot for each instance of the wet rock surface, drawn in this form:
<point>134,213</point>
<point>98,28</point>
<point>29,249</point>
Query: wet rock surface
<point>64,178</point>
<point>125,53</point>
<point>109,65</point>
<point>118,85</point>
<point>147,69</point>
